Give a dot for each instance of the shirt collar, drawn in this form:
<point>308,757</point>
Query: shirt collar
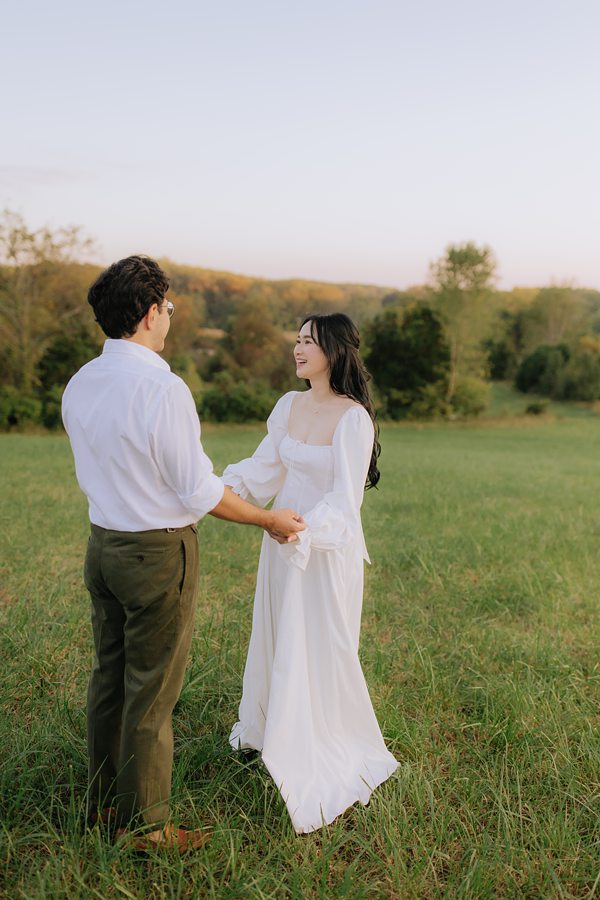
<point>129,348</point>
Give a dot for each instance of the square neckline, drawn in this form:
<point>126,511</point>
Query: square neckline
<point>305,443</point>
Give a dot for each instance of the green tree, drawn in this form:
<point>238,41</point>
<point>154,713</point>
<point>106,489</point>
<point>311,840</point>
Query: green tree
<point>542,371</point>
<point>64,356</point>
<point>259,348</point>
<point>462,284</point>
<point>35,305</point>
<point>505,346</point>
<point>183,366</point>
<point>408,357</point>
<point>556,315</point>
<point>582,371</point>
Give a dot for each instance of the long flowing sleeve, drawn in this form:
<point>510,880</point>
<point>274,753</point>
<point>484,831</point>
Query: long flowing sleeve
<point>260,477</point>
<point>335,520</point>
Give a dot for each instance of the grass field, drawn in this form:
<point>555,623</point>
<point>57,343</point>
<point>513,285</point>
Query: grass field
<point>480,644</point>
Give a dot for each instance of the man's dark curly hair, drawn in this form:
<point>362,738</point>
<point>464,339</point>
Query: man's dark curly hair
<point>122,294</point>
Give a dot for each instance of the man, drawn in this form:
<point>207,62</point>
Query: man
<point>135,437</point>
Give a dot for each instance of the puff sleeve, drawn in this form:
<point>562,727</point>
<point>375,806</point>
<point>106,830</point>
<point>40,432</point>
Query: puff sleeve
<point>335,521</point>
<point>260,477</point>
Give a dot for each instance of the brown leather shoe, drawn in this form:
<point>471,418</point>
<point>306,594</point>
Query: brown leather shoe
<point>167,838</point>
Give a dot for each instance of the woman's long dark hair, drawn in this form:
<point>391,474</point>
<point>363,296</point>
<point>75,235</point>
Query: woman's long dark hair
<point>338,338</point>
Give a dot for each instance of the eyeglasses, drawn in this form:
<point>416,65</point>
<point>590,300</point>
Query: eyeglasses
<point>170,308</point>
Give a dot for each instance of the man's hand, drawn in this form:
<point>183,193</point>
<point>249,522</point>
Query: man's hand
<point>283,525</point>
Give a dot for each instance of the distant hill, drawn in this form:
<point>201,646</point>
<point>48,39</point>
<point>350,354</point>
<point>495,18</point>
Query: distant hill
<point>216,295</point>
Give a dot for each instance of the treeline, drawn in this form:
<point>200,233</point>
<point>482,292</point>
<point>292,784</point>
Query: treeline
<point>432,350</point>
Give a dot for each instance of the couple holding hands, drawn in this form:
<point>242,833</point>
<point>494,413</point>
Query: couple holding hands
<point>135,437</point>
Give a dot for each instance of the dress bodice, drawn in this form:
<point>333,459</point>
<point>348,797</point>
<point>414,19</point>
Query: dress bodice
<point>324,483</point>
<point>309,473</point>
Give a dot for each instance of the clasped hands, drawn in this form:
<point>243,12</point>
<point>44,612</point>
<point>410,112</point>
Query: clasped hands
<point>284,525</point>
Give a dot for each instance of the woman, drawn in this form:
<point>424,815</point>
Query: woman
<point>305,703</point>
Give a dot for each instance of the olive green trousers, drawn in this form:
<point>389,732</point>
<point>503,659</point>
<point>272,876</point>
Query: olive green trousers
<point>143,588</point>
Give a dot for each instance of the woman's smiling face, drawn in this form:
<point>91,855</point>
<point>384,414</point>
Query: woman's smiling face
<point>310,359</point>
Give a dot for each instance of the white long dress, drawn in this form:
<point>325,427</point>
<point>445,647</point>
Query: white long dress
<point>305,703</point>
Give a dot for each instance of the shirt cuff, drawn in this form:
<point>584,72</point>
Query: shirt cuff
<point>211,494</point>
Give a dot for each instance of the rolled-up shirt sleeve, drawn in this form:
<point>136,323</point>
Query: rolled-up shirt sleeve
<point>178,452</point>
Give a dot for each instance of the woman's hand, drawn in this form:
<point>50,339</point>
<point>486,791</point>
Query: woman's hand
<point>283,525</point>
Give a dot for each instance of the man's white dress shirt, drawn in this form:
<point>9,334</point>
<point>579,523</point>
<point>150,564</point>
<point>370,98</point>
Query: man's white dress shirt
<point>135,436</point>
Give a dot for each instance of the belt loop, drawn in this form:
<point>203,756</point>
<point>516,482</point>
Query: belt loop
<point>171,530</point>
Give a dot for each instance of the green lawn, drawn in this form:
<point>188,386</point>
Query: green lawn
<point>480,644</point>
<point>505,401</point>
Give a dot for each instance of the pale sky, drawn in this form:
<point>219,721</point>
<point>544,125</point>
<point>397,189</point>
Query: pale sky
<point>336,140</point>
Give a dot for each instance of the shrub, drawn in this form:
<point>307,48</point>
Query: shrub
<point>51,407</point>
<point>582,376</point>
<point>562,373</point>
<point>536,409</point>
<point>18,409</point>
<point>64,356</point>
<point>428,402</point>
<point>543,370</point>
<point>229,401</point>
<point>470,397</point>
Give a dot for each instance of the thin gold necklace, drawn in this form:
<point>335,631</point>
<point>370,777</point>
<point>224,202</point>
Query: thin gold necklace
<point>318,406</point>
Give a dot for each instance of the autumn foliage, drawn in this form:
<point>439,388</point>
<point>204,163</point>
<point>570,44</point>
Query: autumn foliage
<point>432,349</point>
